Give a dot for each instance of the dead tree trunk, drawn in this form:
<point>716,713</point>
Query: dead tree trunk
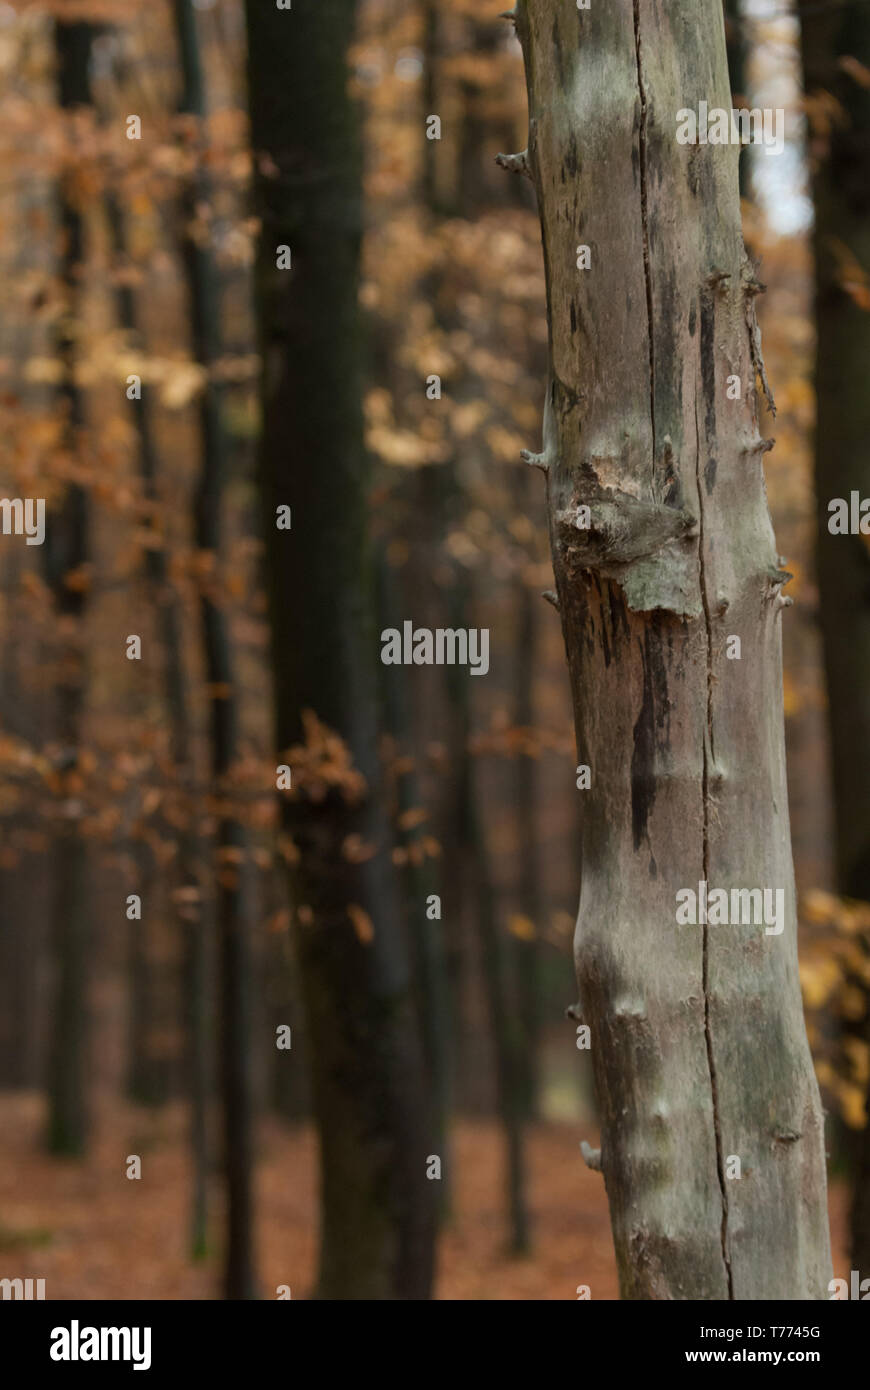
<point>698,1043</point>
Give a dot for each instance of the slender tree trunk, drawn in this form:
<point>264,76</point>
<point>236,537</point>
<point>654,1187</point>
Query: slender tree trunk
<point>430,90</point>
<point>697,1035</point>
<point>289,1091</point>
<point>378,1208</point>
<point>24,877</point>
<point>527,960</point>
<point>65,552</point>
<point>186,897</point>
<point>738,50</point>
<point>144,1076</point>
<point>527,949</point>
<point>475,880</point>
<point>420,882</point>
<point>230,841</point>
<point>736,47</point>
<point>840,163</point>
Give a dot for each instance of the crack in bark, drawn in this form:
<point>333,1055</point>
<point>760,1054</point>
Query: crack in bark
<point>705,801</point>
<point>644,219</point>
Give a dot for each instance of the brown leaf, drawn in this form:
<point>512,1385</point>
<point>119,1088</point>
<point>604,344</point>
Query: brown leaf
<point>362,923</point>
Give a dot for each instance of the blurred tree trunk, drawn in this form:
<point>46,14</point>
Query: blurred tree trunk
<point>230,840</point>
<point>186,895</point>
<point>144,1083</point>
<point>473,882</point>
<point>378,1208</point>
<point>25,877</point>
<point>289,1091</point>
<point>834,43</point>
<point>474,172</point>
<point>736,46</point>
<point>697,1034</point>
<point>420,880</point>
<point>65,552</point>
<point>467,871</point>
<point>486,124</point>
<point>431,101</point>
<point>527,944</point>
<point>735,38</point>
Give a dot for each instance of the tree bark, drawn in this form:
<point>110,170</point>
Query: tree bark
<point>420,880</point>
<point>840,162</point>
<point>738,53</point>
<point>378,1208</point>
<point>527,956</point>
<point>170,625</point>
<point>65,552</point>
<point>235,968</point>
<point>698,1041</point>
<point>473,883</point>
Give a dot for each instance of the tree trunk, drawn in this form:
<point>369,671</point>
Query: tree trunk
<point>470,852</point>
<point>145,1076</point>
<point>420,880</point>
<point>841,195</point>
<point>378,1208</point>
<point>430,89</point>
<point>527,957</point>
<point>230,841</point>
<point>64,553</point>
<point>697,1034</point>
<point>738,52</point>
<point>186,899</point>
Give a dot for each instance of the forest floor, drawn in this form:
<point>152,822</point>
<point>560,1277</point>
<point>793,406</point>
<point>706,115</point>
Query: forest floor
<point>92,1233</point>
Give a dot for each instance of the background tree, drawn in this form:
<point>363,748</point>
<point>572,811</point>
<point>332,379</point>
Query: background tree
<point>835,44</point>
<point>66,555</point>
<point>738,51</point>
<point>377,1215</point>
<point>230,841</point>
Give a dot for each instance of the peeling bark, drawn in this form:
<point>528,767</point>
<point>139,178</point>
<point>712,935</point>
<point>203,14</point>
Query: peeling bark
<point>698,1039</point>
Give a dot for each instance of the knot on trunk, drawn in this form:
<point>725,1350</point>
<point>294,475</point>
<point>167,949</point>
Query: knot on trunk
<point>646,547</point>
<point>591,1157</point>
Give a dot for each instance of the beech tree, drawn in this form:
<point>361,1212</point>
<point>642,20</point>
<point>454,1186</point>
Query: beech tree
<point>64,557</point>
<point>232,892</point>
<point>367,1071</point>
<point>651,422</point>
